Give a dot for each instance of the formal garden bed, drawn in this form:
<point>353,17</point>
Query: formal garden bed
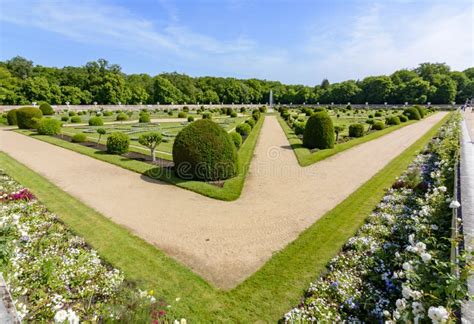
<point>397,268</point>
<point>53,275</point>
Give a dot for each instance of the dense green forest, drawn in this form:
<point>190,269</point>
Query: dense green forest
<point>22,82</point>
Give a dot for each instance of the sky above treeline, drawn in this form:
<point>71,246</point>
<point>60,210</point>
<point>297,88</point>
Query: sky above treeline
<point>292,41</point>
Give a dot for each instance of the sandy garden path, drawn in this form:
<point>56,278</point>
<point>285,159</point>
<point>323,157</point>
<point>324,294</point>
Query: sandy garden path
<point>224,242</point>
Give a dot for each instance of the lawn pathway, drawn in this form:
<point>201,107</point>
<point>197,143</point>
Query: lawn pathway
<point>225,242</point>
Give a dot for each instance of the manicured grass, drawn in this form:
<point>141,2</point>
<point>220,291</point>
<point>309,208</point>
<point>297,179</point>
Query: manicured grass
<point>230,191</point>
<point>305,157</point>
<point>267,294</point>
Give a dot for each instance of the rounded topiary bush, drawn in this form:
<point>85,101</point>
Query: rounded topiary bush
<point>412,113</point>
<point>233,114</point>
<point>379,125</point>
<point>299,128</point>
<point>319,131</point>
<point>378,114</point>
<point>121,117</point>
<point>144,118</point>
<point>79,138</point>
<point>251,122</point>
<point>236,138</point>
<point>11,117</point>
<point>46,109</point>
<point>204,151</point>
<point>107,113</point>
<point>96,121</point>
<point>64,118</point>
<point>422,111</point>
<point>72,113</point>
<point>28,117</point>
<point>118,143</point>
<point>256,115</point>
<point>392,120</point>
<point>49,126</point>
<point>243,129</point>
<point>182,114</point>
<point>190,119</point>
<point>76,119</point>
<point>356,130</point>
<point>206,115</point>
<point>403,118</point>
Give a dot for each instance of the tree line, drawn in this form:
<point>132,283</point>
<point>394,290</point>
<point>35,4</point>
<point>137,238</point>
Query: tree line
<point>22,82</point>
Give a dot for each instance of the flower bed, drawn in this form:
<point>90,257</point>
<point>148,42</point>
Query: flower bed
<point>54,276</point>
<point>397,267</point>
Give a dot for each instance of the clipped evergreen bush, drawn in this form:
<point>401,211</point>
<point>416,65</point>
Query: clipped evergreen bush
<point>49,126</point>
<point>233,114</point>
<point>378,114</point>
<point>72,113</point>
<point>190,119</point>
<point>237,139</point>
<point>182,114</point>
<point>299,127</point>
<point>206,115</point>
<point>76,119</point>
<point>392,120</point>
<point>46,109</point>
<point>243,129</point>
<point>121,117</point>
<point>379,125</point>
<point>144,118</point>
<point>256,115</point>
<point>64,118</point>
<point>319,131</point>
<point>204,151</point>
<point>118,143</point>
<point>96,121</point>
<point>356,130</point>
<point>403,118</point>
<point>79,138</point>
<point>251,122</point>
<point>28,117</point>
<point>412,113</point>
<point>11,117</point>
<point>422,111</point>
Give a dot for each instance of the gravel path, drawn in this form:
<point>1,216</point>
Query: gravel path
<point>225,242</point>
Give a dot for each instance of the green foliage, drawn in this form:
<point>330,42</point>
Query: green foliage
<point>378,125</point>
<point>403,118</point>
<point>237,139</point>
<point>256,115</point>
<point>72,113</point>
<point>11,117</point>
<point>422,111</point>
<point>144,118</point>
<point>46,109</point>
<point>64,118</point>
<point>243,129</point>
<point>107,113</point>
<point>206,115</point>
<point>76,119</point>
<point>190,119</point>
<point>150,140</point>
<point>251,122</point>
<point>28,117</point>
<point>121,117</point>
<point>96,121</point>
<point>338,129</point>
<point>392,120</point>
<point>319,132</point>
<point>356,130</point>
<point>49,126</point>
<point>204,151</point>
<point>182,114</point>
<point>118,143</point>
<point>233,114</point>
<point>79,138</point>
<point>299,127</point>
<point>412,113</point>
<point>377,114</point>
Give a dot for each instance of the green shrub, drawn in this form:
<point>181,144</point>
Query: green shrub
<point>237,139</point>
<point>96,121</point>
<point>170,113</point>
<point>186,109</point>
<point>76,119</point>
<point>28,117</point>
<point>285,114</point>
<point>243,129</point>
<point>242,109</point>
<point>64,118</point>
<point>299,127</point>
<point>422,111</point>
<point>118,143</point>
<point>379,125</point>
<point>370,121</point>
<point>319,131</point>
<point>182,114</point>
<point>256,115</point>
<point>72,113</point>
<point>319,109</point>
<point>11,117</point>
<point>204,151</point>
<point>121,117</point>
<point>46,109</point>
<point>144,118</point>
<point>49,126</point>
<point>356,130</point>
<point>392,120</point>
<point>79,138</point>
<point>263,109</point>
<point>251,122</point>
<point>371,116</point>
<point>190,119</point>
<point>403,118</point>
<point>107,113</point>
<point>233,114</point>
<point>338,129</point>
<point>206,115</point>
<point>378,114</point>
<point>412,113</point>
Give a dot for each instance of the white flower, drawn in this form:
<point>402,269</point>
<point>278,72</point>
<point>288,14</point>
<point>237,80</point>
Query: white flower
<point>60,316</point>
<point>454,204</point>
<point>411,239</point>
<point>434,227</point>
<point>407,266</point>
<point>421,247</point>
<point>406,292</point>
<point>438,314</point>
<point>426,257</point>
<point>183,321</point>
<point>417,308</point>
<point>72,317</point>
<point>442,188</point>
<point>401,304</point>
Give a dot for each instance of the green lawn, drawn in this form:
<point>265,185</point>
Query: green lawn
<point>230,191</point>
<point>267,294</point>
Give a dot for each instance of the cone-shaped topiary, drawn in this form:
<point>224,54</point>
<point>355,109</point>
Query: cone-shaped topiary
<point>204,151</point>
<point>46,109</point>
<point>319,131</point>
<point>28,117</point>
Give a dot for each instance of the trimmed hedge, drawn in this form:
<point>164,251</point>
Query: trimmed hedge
<point>118,143</point>
<point>412,113</point>
<point>243,129</point>
<point>299,128</point>
<point>204,151</point>
<point>144,118</point>
<point>76,119</point>
<point>49,126</point>
<point>251,122</point>
<point>356,130</point>
<point>233,114</point>
<point>46,109</point>
<point>379,125</point>
<point>96,121</point>
<point>72,113</point>
<point>190,119</point>
<point>182,114</point>
<point>206,115</point>
<point>11,117</point>
<point>64,118</point>
<point>237,139</point>
<point>121,117</point>
<point>403,118</point>
<point>28,117</point>
<point>392,120</point>
<point>256,115</point>
<point>79,138</point>
<point>319,131</point>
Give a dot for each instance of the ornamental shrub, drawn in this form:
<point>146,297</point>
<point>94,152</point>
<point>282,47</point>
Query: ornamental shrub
<point>144,118</point>
<point>263,109</point>
<point>28,117</point>
<point>233,114</point>
<point>243,129</point>
<point>107,113</point>
<point>242,109</point>
<point>46,109</point>
<point>206,115</point>
<point>190,119</point>
<point>378,125</point>
<point>392,120</point>
<point>79,138</point>
<point>422,111</point>
<point>182,114</point>
<point>76,119</point>
<point>251,122</point>
<point>356,130</point>
<point>96,121</point>
<point>299,127</point>
<point>285,114</point>
<point>370,121</point>
<point>237,139</point>
<point>11,117</point>
<point>49,126</point>
<point>319,131</point>
<point>64,118</point>
<point>204,151</point>
<point>378,114</point>
<point>403,118</point>
<point>186,109</point>
<point>412,113</point>
<point>72,113</point>
<point>256,115</point>
<point>118,143</point>
<point>121,117</point>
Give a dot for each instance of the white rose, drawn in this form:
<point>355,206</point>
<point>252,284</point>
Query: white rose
<point>426,257</point>
<point>438,314</point>
<point>60,316</point>
<point>401,304</point>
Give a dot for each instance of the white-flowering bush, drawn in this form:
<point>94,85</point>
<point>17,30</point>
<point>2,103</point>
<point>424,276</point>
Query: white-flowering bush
<point>397,268</point>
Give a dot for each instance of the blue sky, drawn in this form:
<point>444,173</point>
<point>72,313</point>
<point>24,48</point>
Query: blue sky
<point>295,41</point>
